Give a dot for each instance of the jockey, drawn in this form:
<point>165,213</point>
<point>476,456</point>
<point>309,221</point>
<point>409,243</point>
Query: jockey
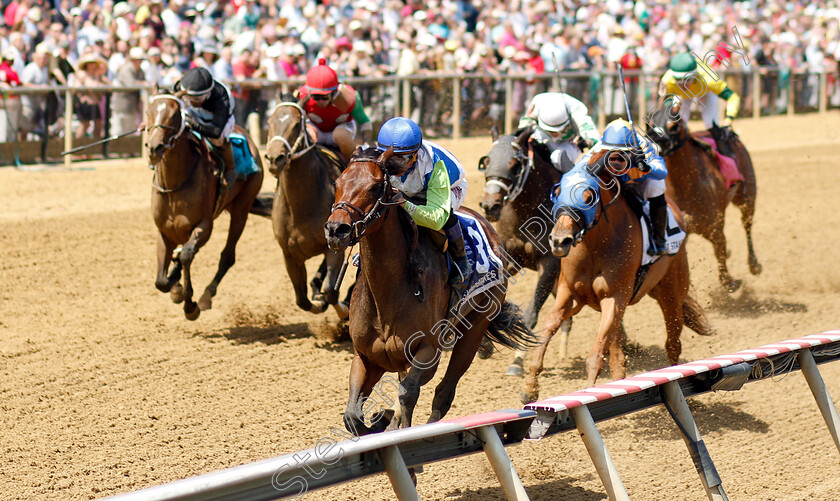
<point>433,181</point>
<point>560,120</point>
<point>697,83</point>
<point>209,111</point>
<point>638,167</point>
<point>334,110</point>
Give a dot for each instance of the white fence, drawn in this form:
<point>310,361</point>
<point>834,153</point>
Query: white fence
<point>332,463</point>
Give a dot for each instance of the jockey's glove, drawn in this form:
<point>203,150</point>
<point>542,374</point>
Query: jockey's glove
<point>192,121</point>
<point>583,143</point>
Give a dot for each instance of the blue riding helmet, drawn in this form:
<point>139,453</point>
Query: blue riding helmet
<point>617,136</point>
<point>401,133</point>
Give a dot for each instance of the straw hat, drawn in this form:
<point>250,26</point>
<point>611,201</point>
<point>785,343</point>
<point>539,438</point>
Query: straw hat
<point>121,9</point>
<point>137,53</point>
<point>91,58</point>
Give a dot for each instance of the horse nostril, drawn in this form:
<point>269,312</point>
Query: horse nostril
<point>337,230</point>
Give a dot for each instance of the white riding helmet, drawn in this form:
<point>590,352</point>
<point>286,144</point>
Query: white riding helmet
<point>553,118</point>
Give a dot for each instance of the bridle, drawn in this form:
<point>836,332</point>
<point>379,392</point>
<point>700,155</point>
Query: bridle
<point>512,187</point>
<point>292,152</point>
<point>169,143</point>
<point>365,219</point>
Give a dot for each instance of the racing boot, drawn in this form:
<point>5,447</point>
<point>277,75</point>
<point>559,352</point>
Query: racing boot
<point>228,167</point>
<point>722,136</point>
<point>460,272</point>
<point>659,220</point>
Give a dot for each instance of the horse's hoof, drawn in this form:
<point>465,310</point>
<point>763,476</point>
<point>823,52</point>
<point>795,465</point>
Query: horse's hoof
<point>191,311</point>
<point>342,310</point>
<point>205,303</point>
<point>485,351</point>
<point>755,268</point>
<point>318,307</point>
<point>434,417</point>
<point>515,368</point>
<point>733,286</point>
<point>176,293</point>
<point>526,397</point>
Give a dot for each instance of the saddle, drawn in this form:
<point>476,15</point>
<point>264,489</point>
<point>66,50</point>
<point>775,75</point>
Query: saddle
<point>335,161</point>
<point>717,143</point>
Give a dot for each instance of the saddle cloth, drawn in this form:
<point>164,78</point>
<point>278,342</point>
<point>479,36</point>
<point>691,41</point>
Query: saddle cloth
<point>486,265</point>
<point>727,165</point>
<point>242,158</point>
<point>674,235</point>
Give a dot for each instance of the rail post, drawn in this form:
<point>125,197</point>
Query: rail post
<point>818,388</point>
<point>508,105</point>
<point>675,399</point>
<point>502,466</point>
<point>791,97</point>
<point>456,108</point>
<point>68,126</point>
<point>398,474</point>
<point>598,452</point>
<point>823,91</point>
<point>756,92</point>
<point>406,98</point>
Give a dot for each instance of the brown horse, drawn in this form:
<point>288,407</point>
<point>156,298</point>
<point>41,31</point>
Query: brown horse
<point>302,201</point>
<point>696,184</point>
<point>399,306</point>
<point>599,268</point>
<point>186,199</point>
<point>515,183</point>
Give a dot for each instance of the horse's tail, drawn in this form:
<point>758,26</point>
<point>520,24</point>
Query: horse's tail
<point>508,329</point>
<point>263,205</point>
<point>695,318</point>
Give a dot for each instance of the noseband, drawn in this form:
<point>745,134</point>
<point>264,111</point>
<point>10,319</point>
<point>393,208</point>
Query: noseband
<point>512,187</point>
<point>363,219</point>
<point>302,137</point>
<point>179,130</point>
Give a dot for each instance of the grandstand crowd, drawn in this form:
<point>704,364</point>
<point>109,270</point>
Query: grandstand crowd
<point>100,42</point>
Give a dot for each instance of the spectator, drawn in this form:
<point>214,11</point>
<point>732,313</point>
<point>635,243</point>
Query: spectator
<point>10,109</point>
<point>153,66</point>
<point>125,106</point>
<point>34,107</point>
<point>91,72</point>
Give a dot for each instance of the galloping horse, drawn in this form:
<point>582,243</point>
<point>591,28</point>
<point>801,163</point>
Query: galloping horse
<point>696,184</point>
<point>186,199</point>
<point>302,201</point>
<point>401,298</point>
<point>516,181</point>
<point>599,268</point>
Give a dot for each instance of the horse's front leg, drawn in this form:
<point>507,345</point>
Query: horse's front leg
<point>238,217</point>
<point>562,311</point>
<point>297,274</point>
<point>363,377</point>
<point>329,290</point>
<point>612,311</point>
<point>199,236</point>
<point>423,366</point>
<point>164,281</point>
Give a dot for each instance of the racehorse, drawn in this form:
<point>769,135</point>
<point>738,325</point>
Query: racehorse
<point>600,268</point>
<point>186,198</point>
<point>515,183</point>
<point>399,306</point>
<point>302,201</point>
<point>696,184</point>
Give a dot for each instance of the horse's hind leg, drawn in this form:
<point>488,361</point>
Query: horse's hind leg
<point>423,367</point>
<point>297,274</point>
<point>670,293</point>
<point>459,362</point>
<point>238,218</point>
<point>718,240</point>
<point>747,211</point>
<point>199,236</point>
<point>318,279</point>
<point>745,200</point>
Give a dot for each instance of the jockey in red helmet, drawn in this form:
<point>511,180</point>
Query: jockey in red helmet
<point>335,112</point>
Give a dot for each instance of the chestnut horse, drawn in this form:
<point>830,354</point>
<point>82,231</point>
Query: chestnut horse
<point>515,183</point>
<point>186,200</point>
<point>599,268</point>
<point>695,183</point>
<point>398,310</point>
<point>302,201</point>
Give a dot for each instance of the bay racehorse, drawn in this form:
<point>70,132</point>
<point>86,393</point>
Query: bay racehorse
<point>599,268</point>
<point>186,199</point>
<point>696,184</point>
<point>305,192</point>
<point>398,311</point>
<point>516,181</point>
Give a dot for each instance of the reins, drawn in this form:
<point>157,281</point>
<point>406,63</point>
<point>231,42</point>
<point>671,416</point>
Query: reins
<point>302,135</point>
<point>168,145</point>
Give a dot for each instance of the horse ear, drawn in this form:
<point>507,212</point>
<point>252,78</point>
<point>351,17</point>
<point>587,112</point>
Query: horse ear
<point>156,89</point>
<point>482,163</point>
<point>494,133</point>
<point>357,152</point>
<point>386,155</point>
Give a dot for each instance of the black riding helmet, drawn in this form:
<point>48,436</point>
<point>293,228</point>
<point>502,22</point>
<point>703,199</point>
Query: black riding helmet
<point>197,81</point>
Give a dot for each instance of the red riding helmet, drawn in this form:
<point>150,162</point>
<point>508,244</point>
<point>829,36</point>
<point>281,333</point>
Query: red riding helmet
<point>321,79</point>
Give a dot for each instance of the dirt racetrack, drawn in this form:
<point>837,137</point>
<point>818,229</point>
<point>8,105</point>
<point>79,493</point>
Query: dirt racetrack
<point>106,388</point>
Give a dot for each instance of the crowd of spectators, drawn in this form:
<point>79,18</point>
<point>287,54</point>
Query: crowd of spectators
<point>136,42</point>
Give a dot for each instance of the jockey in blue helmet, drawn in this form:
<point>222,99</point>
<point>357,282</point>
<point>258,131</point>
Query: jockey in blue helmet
<point>636,164</point>
<point>433,185</point>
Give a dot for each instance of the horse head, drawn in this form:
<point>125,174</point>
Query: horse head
<point>575,201</point>
<point>288,139</point>
<point>665,125</point>
<point>503,167</point>
<point>165,123</point>
<point>362,192</point>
